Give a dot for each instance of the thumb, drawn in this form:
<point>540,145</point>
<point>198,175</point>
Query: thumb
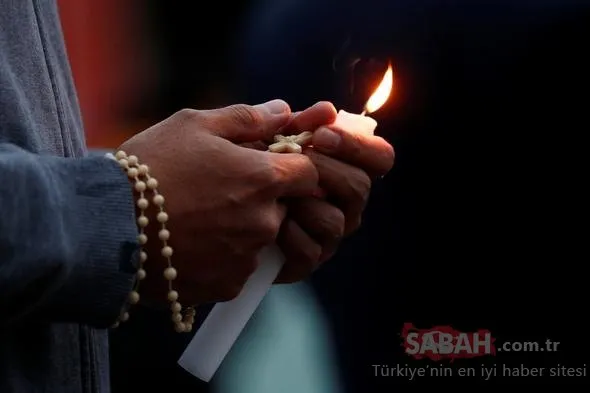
<point>244,123</point>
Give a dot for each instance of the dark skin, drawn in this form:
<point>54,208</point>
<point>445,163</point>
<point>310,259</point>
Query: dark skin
<point>226,202</point>
<point>314,226</point>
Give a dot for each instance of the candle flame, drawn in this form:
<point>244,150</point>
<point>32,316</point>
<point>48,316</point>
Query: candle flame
<point>381,93</point>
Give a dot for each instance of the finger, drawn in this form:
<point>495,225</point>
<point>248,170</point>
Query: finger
<point>280,212</point>
<point>257,145</point>
<point>323,221</point>
<point>223,287</point>
<point>293,175</point>
<point>302,253</point>
<point>244,123</point>
<point>319,114</point>
<point>347,185</point>
<point>371,153</point>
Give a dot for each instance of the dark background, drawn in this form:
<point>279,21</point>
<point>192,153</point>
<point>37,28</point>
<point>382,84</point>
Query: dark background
<point>481,224</point>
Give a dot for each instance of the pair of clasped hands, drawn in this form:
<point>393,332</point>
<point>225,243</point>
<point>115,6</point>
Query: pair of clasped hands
<point>227,197</point>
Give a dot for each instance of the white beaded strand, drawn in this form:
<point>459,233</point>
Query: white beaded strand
<point>144,182</point>
<point>181,323</point>
<point>134,171</point>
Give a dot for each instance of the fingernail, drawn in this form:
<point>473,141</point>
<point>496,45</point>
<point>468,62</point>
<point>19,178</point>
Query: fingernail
<point>326,138</point>
<point>275,107</point>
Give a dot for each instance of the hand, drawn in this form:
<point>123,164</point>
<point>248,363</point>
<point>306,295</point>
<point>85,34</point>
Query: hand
<point>313,228</point>
<point>223,200</point>
<point>345,162</point>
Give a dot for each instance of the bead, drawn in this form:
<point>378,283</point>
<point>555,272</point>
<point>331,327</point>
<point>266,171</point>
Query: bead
<point>142,256</point>
<point>124,316</point>
<point>140,186</point>
<point>152,183</point>
<point>143,169</point>
<point>158,200</point>
<point>188,327</point>
<point>176,307</point>
<point>132,173</point>
<point>123,163</point>
<point>141,274</point>
<point>162,217</point>
<point>132,160</point>
<point>134,297</point>
<point>142,221</point>
<point>170,273</point>
<point>180,327</point>
<point>167,251</point>
<point>142,238</point>
<point>120,155</point>
<point>173,296</point>
<point>164,234</point>
<point>176,317</point>
<point>142,203</point>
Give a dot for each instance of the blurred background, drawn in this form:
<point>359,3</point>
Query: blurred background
<point>481,224</point>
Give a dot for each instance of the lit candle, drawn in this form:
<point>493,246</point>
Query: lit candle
<point>223,325</point>
<point>353,123</point>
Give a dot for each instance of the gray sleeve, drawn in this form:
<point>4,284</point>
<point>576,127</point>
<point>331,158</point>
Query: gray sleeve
<point>68,238</point>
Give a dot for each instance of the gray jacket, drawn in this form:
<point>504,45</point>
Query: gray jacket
<point>67,233</point>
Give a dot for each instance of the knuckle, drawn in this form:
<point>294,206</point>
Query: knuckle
<point>188,114</point>
<point>269,227</point>
<point>389,157</point>
<point>267,174</point>
<point>246,115</point>
<point>361,188</point>
<point>328,220</point>
<point>260,170</point>
<point>275,172</point>
<point>335,225</point>
<point>353,223</point>
<point>311,171</point>
<point>311,257</point>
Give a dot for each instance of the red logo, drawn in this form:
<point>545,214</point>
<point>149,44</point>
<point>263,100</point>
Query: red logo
<point>444,342</point>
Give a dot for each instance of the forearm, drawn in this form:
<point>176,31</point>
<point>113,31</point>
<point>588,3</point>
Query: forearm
<point>67,238</point>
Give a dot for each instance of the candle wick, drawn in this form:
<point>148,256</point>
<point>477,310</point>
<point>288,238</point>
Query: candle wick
<point>364,112</point>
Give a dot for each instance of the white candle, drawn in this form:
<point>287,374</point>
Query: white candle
<point>214,339</point>
<point>353,123</point>
<point>223,325</point>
